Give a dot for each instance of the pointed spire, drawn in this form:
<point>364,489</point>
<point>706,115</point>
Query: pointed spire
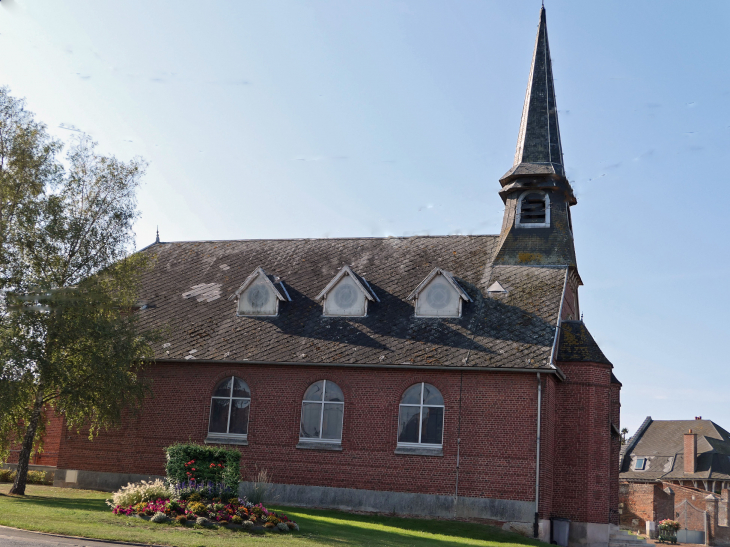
<point>538,145</point>
<point>157,239</point>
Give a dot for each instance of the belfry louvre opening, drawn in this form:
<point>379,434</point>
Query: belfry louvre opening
<point>533,209</point>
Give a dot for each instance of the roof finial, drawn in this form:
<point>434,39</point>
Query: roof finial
<point>157,239</point>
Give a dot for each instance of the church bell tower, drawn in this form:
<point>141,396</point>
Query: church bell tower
<point>537,228</point>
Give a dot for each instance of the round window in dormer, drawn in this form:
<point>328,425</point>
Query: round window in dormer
<point>258,296</point>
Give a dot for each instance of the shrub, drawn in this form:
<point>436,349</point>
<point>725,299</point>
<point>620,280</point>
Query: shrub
<point>39,477</point>
<point>197,508</point>
<point>182,519</point>
<point>269,525</point>
<point>293,526</point>
<point>203,464</point>
<point>248,525</point>
<point>282,527</point>
<point>34,477</point>
<point>7,475</point>
<point>202,521</point>
<point>159,518</point>
<point>139,492</point>
<point>235,519</point>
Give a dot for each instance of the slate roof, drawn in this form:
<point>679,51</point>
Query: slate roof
<point>662,443</point>
<point>577,345</point>
<point>187,293</point>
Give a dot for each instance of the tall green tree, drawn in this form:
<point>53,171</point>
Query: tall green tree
<point>69,339</point>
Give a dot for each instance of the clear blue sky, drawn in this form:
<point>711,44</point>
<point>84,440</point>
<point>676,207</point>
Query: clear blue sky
<point>333,118</point>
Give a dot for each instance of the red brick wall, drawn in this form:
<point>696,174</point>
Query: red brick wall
<point>637,504</point>
<point>642,502</point>
<point>498,429</point>
<point>498,432</point>
<point>51,442</point>
<point>583,453</point>
<point>695,497</point>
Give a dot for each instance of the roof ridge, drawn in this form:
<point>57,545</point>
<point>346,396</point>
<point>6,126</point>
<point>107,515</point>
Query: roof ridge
<point>317,239</point>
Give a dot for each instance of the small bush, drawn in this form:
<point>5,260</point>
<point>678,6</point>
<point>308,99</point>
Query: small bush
<point>189,461</point>
<point>202,521</point>
<point>236,519</point>
<point>182,519</point>
<point>39,477</point>
<point>159,518</point>
<point>293,526</point>
<point>139,492</point>
<point>248,525</point>
<point>33,477</point>
<point>282,527</point>
<point>7,475</point>
<point>198,508</point>
<point>269,525</point>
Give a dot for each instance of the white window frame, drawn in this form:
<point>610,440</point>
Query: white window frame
<point>322,402</point>
<point>230,399</point>
<point>518,217</point>
<point>643,464</point>
<point>420,406</point>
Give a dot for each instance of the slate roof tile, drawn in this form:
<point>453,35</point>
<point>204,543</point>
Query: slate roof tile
<point>512,329</point>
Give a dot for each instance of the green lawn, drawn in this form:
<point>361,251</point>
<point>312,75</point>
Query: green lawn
<point>84,513</point>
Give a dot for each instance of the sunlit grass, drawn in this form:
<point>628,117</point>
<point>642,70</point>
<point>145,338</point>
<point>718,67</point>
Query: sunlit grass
<point>84,513</point>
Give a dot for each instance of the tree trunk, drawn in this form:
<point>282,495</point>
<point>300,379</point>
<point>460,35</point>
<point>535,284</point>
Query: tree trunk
<point>25,451</point>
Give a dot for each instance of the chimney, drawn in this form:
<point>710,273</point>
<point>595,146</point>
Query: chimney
<point>690,452</point>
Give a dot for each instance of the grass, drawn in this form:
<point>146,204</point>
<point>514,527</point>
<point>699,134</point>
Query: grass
<point>84,513</point>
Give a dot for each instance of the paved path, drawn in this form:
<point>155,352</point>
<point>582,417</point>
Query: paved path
<point>12,537</point>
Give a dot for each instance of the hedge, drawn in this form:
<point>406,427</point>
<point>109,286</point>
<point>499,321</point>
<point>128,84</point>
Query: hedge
<point>189,461</point>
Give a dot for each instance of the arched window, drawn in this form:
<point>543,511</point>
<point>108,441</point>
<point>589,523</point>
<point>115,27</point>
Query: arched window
<point>229,408</point>
<point>322,411</point>
<point>533,210</point>
<point>421,416</point>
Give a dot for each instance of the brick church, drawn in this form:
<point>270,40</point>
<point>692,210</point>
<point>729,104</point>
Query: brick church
<point>437,376</point>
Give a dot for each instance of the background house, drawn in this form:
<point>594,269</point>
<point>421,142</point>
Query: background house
<point>680,470</point>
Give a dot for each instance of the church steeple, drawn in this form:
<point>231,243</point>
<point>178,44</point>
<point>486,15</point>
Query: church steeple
<point>537,195</point>
<point>539,138</point>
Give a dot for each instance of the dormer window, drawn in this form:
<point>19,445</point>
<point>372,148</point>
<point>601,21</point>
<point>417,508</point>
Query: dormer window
<point>260,295</point>
<point>347,295</point>
<point>533,210</point>
<point>640,464</point>
<point>439,295</point>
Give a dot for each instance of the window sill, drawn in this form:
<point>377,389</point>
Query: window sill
<point>419,451</point>
<point>226,440</point>
<point>306,445</point>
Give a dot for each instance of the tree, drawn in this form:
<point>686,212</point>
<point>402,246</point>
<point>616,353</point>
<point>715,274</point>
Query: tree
<point>624,432</point>
<point>69,339</point>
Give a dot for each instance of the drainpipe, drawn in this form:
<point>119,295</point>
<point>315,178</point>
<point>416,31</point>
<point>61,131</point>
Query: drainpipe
<point>536,525</point>
<point>458,448</point>
<point>553,355</point>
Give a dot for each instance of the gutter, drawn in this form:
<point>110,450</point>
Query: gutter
<point>554,370</point>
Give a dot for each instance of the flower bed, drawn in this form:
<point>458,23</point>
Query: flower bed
<point>198,504</point>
